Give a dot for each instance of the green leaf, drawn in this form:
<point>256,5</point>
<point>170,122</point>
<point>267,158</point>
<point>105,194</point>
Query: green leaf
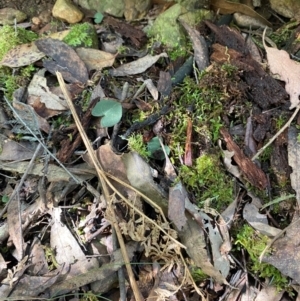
<point>155,149</point>
<point>111,111</point>
<point>98,17</point>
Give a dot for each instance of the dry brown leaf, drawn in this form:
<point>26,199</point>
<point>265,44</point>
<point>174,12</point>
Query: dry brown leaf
<point>229,7</point>
<point>22,55</point>
<point>287,70</point>
<point>176,212</point>
<point>137,66</point>
<point>15,227</point>
<point>95,59</point>
<point>40,97</point>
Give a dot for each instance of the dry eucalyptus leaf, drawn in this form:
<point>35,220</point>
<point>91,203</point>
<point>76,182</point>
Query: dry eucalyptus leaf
<point>287,70</point>
<point>16,151</point>
<point>176,214</point>
<point>30,117</point>
<point>22,55</point>
<point>15,227</point>
<point>285,252</point>
<point>138,66</point>
<point>95,59</point>
<point>38,91</point>
<point>258,221</point>
<point>63,242</point>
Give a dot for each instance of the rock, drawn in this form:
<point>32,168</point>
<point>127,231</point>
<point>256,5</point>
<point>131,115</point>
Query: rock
<point>287,8</point>
<point>66,11</point>
<point>8,16</point>
<point>167,29</point>
<point>115,8</point>
<point>136,9</point>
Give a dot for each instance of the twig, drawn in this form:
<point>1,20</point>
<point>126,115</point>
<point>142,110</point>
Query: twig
<point>104,183</point>
<point>277,134</point>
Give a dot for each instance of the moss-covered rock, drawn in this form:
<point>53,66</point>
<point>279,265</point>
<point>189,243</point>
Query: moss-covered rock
<point>82,35</point>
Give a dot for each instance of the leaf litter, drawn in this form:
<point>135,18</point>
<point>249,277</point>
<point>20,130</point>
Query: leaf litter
<point>152,204</point>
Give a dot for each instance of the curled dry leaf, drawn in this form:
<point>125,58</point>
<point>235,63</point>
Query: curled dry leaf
<point>286,70</point>
<point>95,59</point>
<point>38,91</point>
<point>137,66</point>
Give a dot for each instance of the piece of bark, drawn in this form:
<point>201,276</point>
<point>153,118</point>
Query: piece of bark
<point>251,171</point>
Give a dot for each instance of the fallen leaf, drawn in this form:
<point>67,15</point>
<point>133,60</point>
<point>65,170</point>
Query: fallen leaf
<point>229,7</point>
<point>16,151</point>
<point>39,92</point>
<point>138,66</point>
<point>22,55</point>
<point>199,46</point>
<point>95,59</point>
<point>66,60</point>
<point>15,227</point>
<point>258,221</point>
<point>30,117</point>
<point>285,254</point>
<point>63,242</point>
<point>26,54</point>
<point>287,70</point>
<point>176,211</point>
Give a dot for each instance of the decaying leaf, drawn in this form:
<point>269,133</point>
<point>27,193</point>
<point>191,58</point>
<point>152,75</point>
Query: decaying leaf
<point>199,45</point>
<point>137,66</point>
<point>66,60</point>
<point>30,117</point>
<point>95,59</point>
<point>177,195</point>
<point>63,242</point>
<point>229,7</point>
<point>16,151</point>
<point>259,221</point>
<point>15,227</point>
<point>287,70</point>
<point>285,254</point>
<point>39,92</point>
<point>22,55</point>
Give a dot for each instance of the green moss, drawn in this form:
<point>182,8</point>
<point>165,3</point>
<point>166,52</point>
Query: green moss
<point>208,179</point>
<point>136,143</point>
<point>82,35</point>
<point>254,243</point>
<point>9,38</point>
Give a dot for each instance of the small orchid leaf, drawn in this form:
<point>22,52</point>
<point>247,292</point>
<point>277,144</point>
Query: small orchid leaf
<point>98,17</point>
<point>111,111</point>
<point>155,149</point>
